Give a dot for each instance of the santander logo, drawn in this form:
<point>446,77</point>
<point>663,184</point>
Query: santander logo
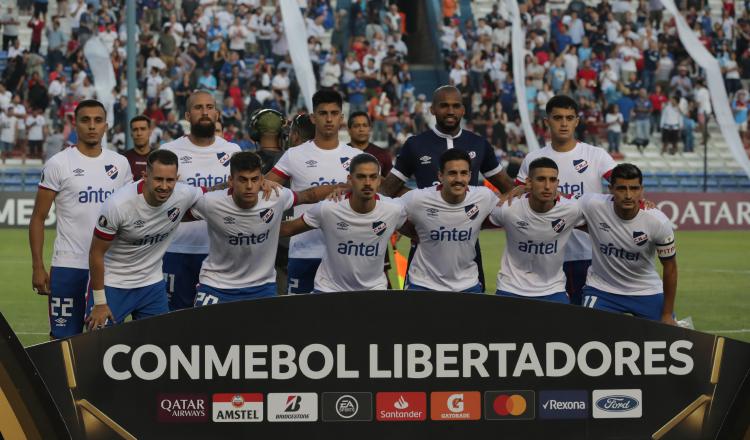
<point>401,403</point>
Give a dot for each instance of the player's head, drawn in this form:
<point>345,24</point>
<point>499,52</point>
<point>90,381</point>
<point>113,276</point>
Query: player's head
<point>161,175</point>
<point>140,130</point>
<point>327,115</point>
<point>359,127</point>
<point>542,180</point>
<point>455,171</point>
<point>245,177</point>
<point>301,130</point>
<point>626,186</point>
<point>364,176</point>
<point>202,113</point>
<point>562,118</point>
<point>448,109</point>
<point>91,122</point>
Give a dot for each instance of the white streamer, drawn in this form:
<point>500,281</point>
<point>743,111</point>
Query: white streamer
<point>518,45</point>
<point>296,35</point>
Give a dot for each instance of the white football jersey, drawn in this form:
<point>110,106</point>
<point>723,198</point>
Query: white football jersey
<point>307,166</point>
<point>581,171</point>
<point>243,242</point>
<point>140,233</point>
<point>82,185</point>
<point>448,233</point>
<point>532,263</point>
<point>624,250</point>
<point>355,243</point>
<point>199,166</point>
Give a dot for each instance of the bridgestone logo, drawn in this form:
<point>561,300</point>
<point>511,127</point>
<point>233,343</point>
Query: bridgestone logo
<point>554,404</point>
<point>293,416</point>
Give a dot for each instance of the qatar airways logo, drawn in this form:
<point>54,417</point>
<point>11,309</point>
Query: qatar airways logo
<point>91,195</point>
<point>610,250</point>
<point>207,181</point>
<point>454,234</point>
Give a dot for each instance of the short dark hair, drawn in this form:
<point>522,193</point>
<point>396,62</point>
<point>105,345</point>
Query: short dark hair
<point>561,101</point>
<point>626,171</point>
<point>303,125</point>
<point>358,114</point>
<point>89,103</point>
<point>542,162</point>
<point>327,97</point>
<point>244,161</point>
<point>137,118</point>
<point>362,159</point>
<point>164,157</point>
<point>454,154</point>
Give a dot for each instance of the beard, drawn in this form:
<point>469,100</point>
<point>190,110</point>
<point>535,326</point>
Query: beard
<point>203,129</point>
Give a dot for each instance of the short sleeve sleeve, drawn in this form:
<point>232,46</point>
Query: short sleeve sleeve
<point>198,211</point>
<point>405,162</point>
<point>664,240</point>
<point>51,177</point>
<point>283,166</point>
<point>108,222</point>
<point>523,172</point>
<point>606,164</point>
<point>497,216</point>
<point>312,217</point>
<point>490,165</point>
<point>127,175</point>
<point>287,198</point>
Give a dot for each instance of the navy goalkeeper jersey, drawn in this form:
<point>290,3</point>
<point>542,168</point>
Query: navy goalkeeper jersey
<point>420,156</point>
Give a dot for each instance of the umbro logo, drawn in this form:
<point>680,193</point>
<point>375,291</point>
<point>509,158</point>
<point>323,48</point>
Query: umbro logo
<point>61,321</point>
<point>522,225</point>
<point>311,163</point>
<point>425,160</point>
<point>229,220</point>
<point>186,159</point>
<point>605,227</point>
<point>78,172</point>
<point>139,223</point>
<point>432,212</point>
<point>342,226</point>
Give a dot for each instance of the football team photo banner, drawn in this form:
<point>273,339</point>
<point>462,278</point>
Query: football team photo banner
<point>397,365</point>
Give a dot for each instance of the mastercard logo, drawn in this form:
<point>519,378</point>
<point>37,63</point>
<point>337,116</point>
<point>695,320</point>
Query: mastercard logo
<point>510,405</point>
<point>513,405</point>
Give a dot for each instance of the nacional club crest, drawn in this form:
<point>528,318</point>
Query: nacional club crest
<point>472,211</point>
<point>266,215</point>
<point>111,171</point>
<point>379,228</point>
<point>223,158</point>
<point>580,165</point>
<point>345,162</point>
<point>558,225</point>
<point>640,238</point>
<point>173,214</point>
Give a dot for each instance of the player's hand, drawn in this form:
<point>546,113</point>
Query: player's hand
<point>515,193</point>
<point>269,186</point>
<point>40,281</point>
<point>99,316</point>
<point>668,319</point>
<point>338,194</point>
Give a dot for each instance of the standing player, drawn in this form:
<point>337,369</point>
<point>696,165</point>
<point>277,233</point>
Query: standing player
<point>537,230</point>
<point>322,161</point>
<point>420,155</point>
<point>140,131</point>
<point>243,231</point>
<point>623,277</point>
<point>77,179</point>
<point>447,219</point>
<point>204,161</point>
<point>355,230</point>
<point>134,229</point>
<point>581,170</point>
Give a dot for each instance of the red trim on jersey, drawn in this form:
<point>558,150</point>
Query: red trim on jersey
<point>641,204</point>
<point>519,182</point>
<point>140,186</point>
<point>104,235</point>
<point>44,187</point>
<point>279,173</point>
<point>295,200</point>
<point>204,189</point>
<point>608,174</point>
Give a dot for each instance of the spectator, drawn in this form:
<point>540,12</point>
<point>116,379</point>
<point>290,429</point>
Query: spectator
<point>642,120</point>
<point>671,125</point>
<point>10,28</point>
<point>614,121</point>
<point>36,125</point>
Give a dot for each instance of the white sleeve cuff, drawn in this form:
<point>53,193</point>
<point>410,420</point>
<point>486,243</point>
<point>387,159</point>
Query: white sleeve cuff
<point>493,171</point>
<point>399,174</point>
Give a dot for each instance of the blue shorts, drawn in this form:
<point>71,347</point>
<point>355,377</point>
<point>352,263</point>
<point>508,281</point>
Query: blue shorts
<point>645,306</point>
<point>559,297</point>
<point>141,302</point>
<point>208,295</point>
<point>575,273</point>
<point>181,275</point>
<point>301,273</point>
<point>477,288</point>
<point>67,300</point>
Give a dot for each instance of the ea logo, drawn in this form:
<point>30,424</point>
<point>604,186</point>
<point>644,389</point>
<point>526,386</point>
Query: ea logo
<point>347,406</point>
<point>456,403</point>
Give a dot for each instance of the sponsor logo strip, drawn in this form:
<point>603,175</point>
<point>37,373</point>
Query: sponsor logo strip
<point>292,407</point>
<point>455,405</point>
<point>347,407</point>
<point>509,405</point>
<point>400,406</point>
<point>617,404</point>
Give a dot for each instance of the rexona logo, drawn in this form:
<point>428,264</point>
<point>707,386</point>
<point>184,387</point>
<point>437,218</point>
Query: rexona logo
<point>400,407</point>
<point>237,407</point>
<point>182,408</point>
<point>617,404</point>
<point>292,407</point>
<point>509,405</point>
<point>455,405</point>
<point>347,407</point>
<point>563,404</point>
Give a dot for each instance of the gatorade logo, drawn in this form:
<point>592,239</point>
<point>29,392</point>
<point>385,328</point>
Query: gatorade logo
<point>509,405</point>
<point>455,405</point>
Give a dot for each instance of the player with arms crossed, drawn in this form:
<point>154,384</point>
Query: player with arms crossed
<point>78,180</point>
<point>204,161</point>
<point>537,230</point>
<point>321,161</point>
<point>447,219</point>
<point>626,238</point>
<point>243,231</point>
<point>356,231</point>
<point>581,169</point>
<point>134,229</point>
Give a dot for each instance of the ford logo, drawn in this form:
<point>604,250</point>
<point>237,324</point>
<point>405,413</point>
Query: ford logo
<point>617,403</point>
